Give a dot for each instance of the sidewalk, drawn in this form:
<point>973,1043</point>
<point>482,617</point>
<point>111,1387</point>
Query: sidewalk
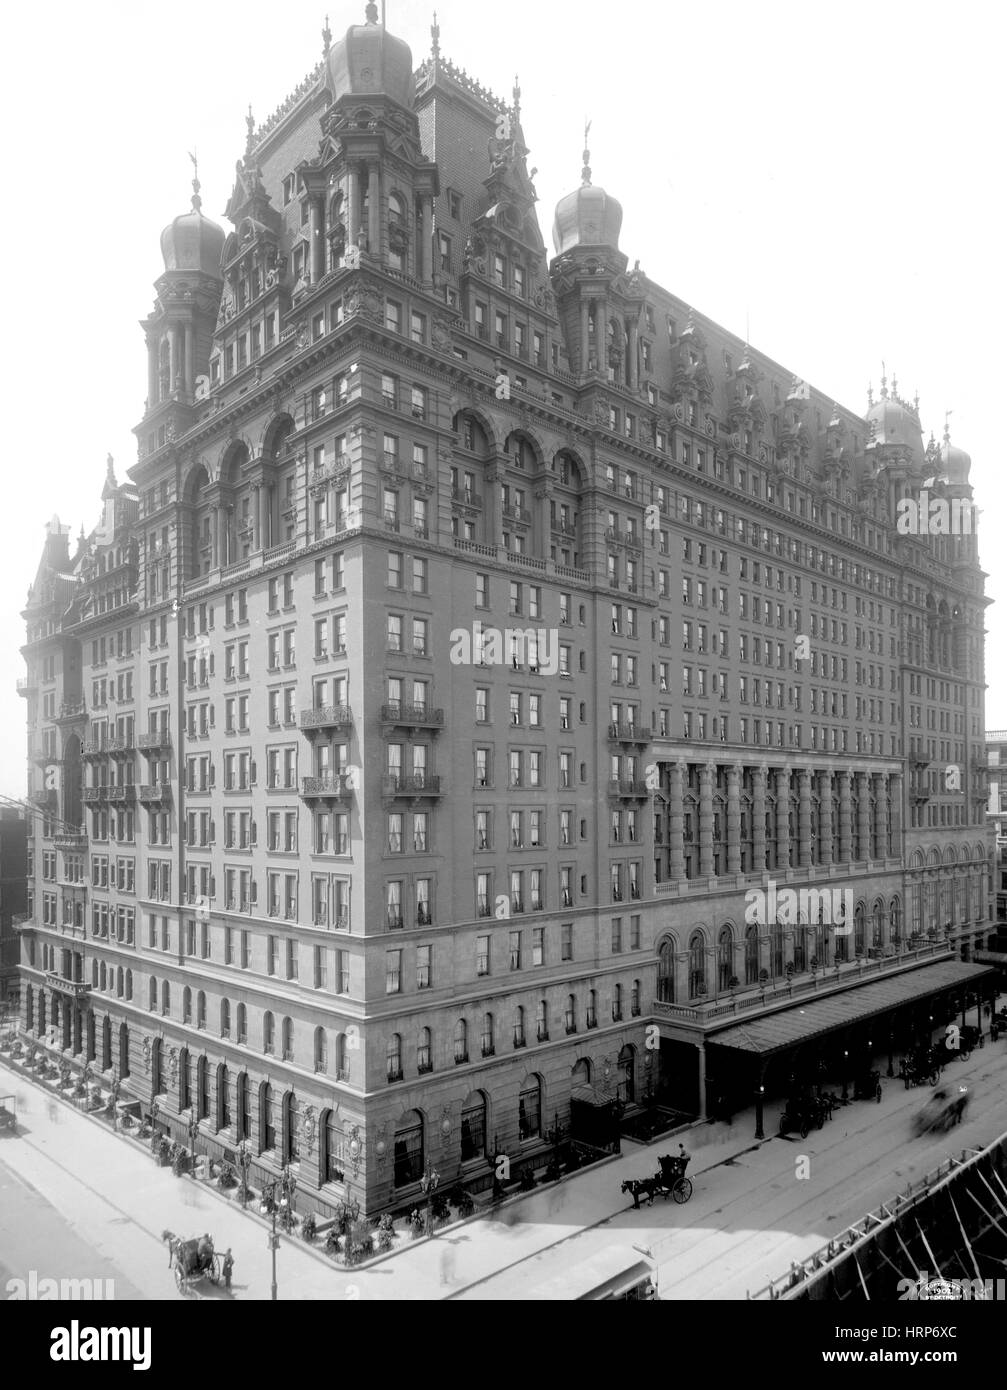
<point>119,1202</point>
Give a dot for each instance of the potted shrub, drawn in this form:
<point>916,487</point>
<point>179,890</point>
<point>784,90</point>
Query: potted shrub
<point>733,982</point>
<point>163,1151</point>
<point>332,1246</point>
<point>763,977</point>
<point>439,1209</point>
<point>359,1242</point>
<point>386,1233</point>
<point>416,1223</point>
<point>309,1227</point>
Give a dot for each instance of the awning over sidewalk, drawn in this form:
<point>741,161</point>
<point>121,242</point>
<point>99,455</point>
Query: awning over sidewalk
<point>803,1021</point>
<point>590,1095</point>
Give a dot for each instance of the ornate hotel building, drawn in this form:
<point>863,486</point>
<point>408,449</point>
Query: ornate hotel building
<point>437,546</point>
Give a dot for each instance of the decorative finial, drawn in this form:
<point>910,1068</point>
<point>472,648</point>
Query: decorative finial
<point>916,400</point>
<point>435,35</point>
<point>884,383</point>
<point>947,427</point>
<point>895,387</point>
<point>326,38</point>
<point>197,201</point>
<point>250,139</point>
<point>371,13</point>
<point>870,394</point>
<point>585,173</point>
<point>517,99</point>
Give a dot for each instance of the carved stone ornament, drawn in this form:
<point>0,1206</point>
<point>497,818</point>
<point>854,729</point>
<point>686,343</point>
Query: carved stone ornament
<point>308,1126</point>
<point>173,1065</point>
<point>146,1051</point>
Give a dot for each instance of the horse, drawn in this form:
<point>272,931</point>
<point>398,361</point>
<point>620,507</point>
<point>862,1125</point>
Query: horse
<point>174,1244</point>
<point>647,1186</point>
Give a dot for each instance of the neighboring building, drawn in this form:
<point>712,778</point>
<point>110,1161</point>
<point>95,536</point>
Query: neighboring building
<point>996,759</point>
<point>330,865</point>
<point>14,872</point>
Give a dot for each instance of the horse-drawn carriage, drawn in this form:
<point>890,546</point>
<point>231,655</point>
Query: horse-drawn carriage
<point>923,1067</point>
<point>968,1039</point>
<point>192,1260</point>
<point>8,1114</point>
<point>998,1024</point>
<point>803,1111</point>
<point>669,1182</point>
<point>867,1086</point>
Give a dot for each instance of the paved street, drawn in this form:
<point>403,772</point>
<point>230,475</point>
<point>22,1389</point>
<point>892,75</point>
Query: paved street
<point>88,1204</point>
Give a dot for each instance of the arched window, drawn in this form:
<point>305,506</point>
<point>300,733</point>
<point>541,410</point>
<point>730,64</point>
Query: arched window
<point>393,1058</point>
<point>581,1073</point>
<point>225,1018</point>
<point>332,1143</point>
<point>184,1080</point>
<point>267,1127</point>
<point>725,958</point>
<point>570,1016</point>
<point>398,231</point>
<point>242,1024</point>
<point>223,1098</point>
<point>474,1126</point>
<point>461,1041</point>
<point>697,965</point>
<point>288,1040</point>
<point>592,1008</point>
<point>408,1149</point>
<point>268,1036</point>
<point>200,1010</point>
<point>290,1151</point>
<point>878,925</point>
<point>119,980</point>
<point>666,972</point>
<point>187,1005</point>
<point>151,993</point>
<point>626,1087</point>
<point>752,955</point>
<point>424,1061</point>
<point>242,1107</point>
<point>321,1050</point>
<point>202,1088</point>
<point>617,1004</point>
<point>519,1037</point>
<point>859,930</point>
<point>530,1109</point>
<point>486,1042</point>
<point>129,984</point>
<point>104,983</point>
<point>634,1005</point>
<point>165,998</point>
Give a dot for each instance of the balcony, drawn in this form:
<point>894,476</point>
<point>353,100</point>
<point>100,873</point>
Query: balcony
<point>331,473</point>
<point>412,784</point>
<point>120,745</point>
<point>94,794</point>
<point>73,843</point>
<point>628,733</point>
<point>631,787</point>
<point>122,796</point>
<point>155,793</point>
<point>564,528</point>
<point>94,748</point>
<point>332,787</point>
<point>74,989</point>
<point>465,496</point>
<point>394,1074</point>
<point>25,686</point>
<point>520,515</point>
<point>412,716</point>
<point>327,717</point>
<point>424,1067</point>
<point>154,742</point>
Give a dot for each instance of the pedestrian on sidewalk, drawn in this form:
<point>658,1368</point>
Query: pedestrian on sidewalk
<point>228,1268</point>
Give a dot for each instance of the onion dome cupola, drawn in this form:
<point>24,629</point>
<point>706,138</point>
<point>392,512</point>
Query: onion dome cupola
<point>371,62</point>
<point>895,424</point>
<point>588,217</point>
<point>955,463</point>
<point>192,241</point>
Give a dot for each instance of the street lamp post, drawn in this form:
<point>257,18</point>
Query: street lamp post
<point>428,1184</point>
<point>193,1131</point>
<point>274,1245</point>
<point>154,1108</point>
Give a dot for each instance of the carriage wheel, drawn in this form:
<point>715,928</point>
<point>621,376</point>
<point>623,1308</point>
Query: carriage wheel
<point>966,1053</point>
<point>682,1190</point>
<point>877,1093</point>
<point>821,1118</point>
<point>213,1270</point>
<point>935,1076</point>
<point>181,1283</point>
<point>804,1129</point>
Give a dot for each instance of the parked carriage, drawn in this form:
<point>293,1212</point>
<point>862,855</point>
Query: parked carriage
<point>8,1114</point>
<point>192,1260</point>
<point>867,1086</point>
<point>922,1067</point>
<point>803,1112</point>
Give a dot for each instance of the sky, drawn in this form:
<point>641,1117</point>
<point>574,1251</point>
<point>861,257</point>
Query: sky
<point>828,177</point>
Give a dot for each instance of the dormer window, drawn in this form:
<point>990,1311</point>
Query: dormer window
<point>289,186</point>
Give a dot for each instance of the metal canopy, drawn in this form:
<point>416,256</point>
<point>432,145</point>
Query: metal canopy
<point>801,1022</point>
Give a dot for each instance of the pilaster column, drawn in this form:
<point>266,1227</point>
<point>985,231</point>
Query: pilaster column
<point>316,215</point>
<point>265,538</point>
<point>352,205</point>
<point>425,250</point>
<point>734,819</point>
<point>864,814</point>
<point>895,784</point>
<point>585,329</point>
<point>845,817</point>
<point>825,815</point>
<point>256,518</point>
<point>219,527</point>
<point>804,818</point>
<point>152,374</point>
<point>188,368</point>
<point>759,820</point>
<point>172,360</point>
<point>880,784</point>
<point>633,330</point>
<point>374,209</point>
<point>783,817</point>
<point>676,821</point>
<point>706,820</point>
